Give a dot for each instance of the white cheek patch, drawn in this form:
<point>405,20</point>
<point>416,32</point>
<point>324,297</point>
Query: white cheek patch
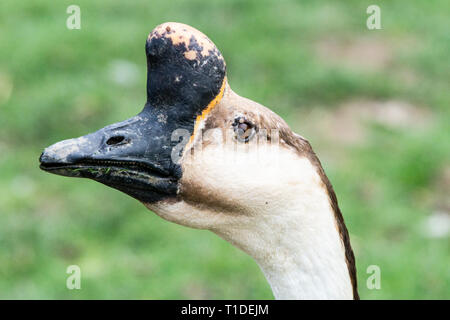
<point>250,172</point>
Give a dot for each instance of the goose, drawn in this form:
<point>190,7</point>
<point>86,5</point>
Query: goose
<point>202,156</point>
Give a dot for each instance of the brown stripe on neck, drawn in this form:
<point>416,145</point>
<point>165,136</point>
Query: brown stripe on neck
<point>305,149</point>
<point>265,118</point>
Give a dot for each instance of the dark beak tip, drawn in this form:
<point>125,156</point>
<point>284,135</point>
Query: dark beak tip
<point>45,158</point>
<point>41,157</point>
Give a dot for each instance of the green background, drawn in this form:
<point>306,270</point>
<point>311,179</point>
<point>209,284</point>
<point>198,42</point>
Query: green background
<point>374,105</point>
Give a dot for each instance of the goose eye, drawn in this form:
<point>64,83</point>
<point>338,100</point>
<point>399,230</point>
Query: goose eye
<point>244,129</point>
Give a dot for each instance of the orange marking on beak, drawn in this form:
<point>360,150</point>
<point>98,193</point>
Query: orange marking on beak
<point>207,110</point>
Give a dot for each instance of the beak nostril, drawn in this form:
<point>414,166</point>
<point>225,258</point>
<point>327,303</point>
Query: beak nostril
<point>115,140</point>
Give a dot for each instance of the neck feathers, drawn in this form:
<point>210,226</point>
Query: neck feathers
<point>300,243</point>
<point>302,145</point>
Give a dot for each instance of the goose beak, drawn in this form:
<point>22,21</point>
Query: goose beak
<point>132,156</point>
<point>135,156</point>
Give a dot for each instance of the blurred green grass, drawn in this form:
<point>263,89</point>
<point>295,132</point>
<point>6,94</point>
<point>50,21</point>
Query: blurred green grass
<point>56,83</point>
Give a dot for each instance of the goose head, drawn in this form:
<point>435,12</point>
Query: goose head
<point>201,156</point>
